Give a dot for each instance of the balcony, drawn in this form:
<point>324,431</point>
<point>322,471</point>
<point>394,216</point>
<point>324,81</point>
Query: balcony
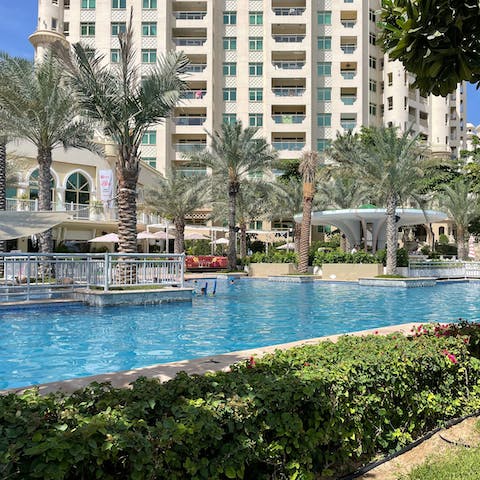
<point>348,47</point>
<point>189,147</point>
<point>189,41</point>
<point>348,99</point>
<point>348,23</point>
<point>348,124</point>
<point>189,15</point>
<point>195,94</point>
<point>289,146</point>
<point>196,67</point>
<point>288,119</point>
<point>190,120</point>
<point>286,65</point>
<point>292,11</point>
<point>288,38</point>
<point>348,74</point>
<point>288,91</point>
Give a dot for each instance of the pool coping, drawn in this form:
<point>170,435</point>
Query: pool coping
<point>199,366</point>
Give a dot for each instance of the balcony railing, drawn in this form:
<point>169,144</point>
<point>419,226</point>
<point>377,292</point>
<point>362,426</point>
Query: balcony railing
<point>288,91</point>
<point>189,41</point>
<point>348,74</point>
<point>348,99</point>
<point>348,125</point>
<point>289,11</point>
<point>291,146</point>
<point>348,48</point>
<point>349,23</point>
<point>283,65</point>
<point>189,120</point>
<point>288,119</point>
<point>288,38</point>
<point>197,94</point>
<point>189,15</point>
<point>192,171</point>
<point>189,147</point>
<point>195,67</point>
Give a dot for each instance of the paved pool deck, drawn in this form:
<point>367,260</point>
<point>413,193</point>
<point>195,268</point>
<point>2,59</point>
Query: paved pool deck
<point>213,363</point>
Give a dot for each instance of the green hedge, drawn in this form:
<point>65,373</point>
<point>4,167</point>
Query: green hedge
<point>339,256</point>
<point>274,256</point>
<point>309,409</point>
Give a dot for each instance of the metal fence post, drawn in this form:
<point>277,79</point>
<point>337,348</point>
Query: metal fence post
<point>106,270</point>
<point>182,270</point>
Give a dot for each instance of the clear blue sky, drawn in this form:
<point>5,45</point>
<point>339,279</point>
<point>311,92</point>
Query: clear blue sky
<point>18,21</point>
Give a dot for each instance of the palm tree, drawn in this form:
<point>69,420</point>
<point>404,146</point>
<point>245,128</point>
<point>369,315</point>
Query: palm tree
<point>234,153</point>
<point>288,199</point>
<point>3,181</point>
<point>390,165</point>
<point>308,169</point>
<point>462,207</point>
<point>36,105</point>
<point>176,197</point>
<point>126,105</point>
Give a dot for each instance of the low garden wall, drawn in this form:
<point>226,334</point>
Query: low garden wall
<point>271,269</point>
<point>350,271</point>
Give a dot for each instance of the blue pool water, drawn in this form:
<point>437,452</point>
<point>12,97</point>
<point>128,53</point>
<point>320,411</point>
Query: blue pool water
<point>55,343</point>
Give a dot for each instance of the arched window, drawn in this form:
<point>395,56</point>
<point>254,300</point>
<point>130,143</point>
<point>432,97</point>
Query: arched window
<point>33,186</point>
<point>77,189</point>
<point>441,230</point>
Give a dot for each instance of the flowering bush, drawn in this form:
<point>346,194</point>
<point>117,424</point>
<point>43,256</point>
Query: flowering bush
<point>293,414</point>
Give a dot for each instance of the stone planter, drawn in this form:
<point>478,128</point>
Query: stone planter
<point>350,271</point>
<point>271,269</point>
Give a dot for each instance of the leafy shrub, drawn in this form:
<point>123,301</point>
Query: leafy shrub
<point>448,250</point>
<point>257,246</point>
<point>402,257</point>
<point>198,247</point>
<point>291,414</point>
<point>339,256</point>
<point>274,256</point>
<point>443,239</point>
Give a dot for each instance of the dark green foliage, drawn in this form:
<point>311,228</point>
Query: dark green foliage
<point>198,247</point>
<point>289,169</point>
<point>402,257</point>
<point>291,414</point>
<point>437,40</point>
<point>449,250</point>
<point>274,256</point>
<point>339,256</point>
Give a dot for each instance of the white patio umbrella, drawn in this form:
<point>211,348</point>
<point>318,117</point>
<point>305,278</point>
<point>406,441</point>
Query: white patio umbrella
<point>147,236</point>
<point>471,247</point>
<point>108,238</point>
<point>195,236</point>
<point>220,241</point>
<point>287,246</point>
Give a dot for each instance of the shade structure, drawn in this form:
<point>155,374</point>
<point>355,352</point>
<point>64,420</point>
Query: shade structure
<point>220,241</point>
<point>195,236</point>
<point>108,238</point>
<point>471,247</point>
<point>25,224</point>
<point>287,246</point>
<point>147,236</point>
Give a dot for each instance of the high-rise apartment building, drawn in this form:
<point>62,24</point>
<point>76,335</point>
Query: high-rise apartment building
<point>299,69</point>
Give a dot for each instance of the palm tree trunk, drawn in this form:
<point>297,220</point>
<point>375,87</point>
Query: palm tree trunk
<point>392,233</point>
<point>44,158</point>
<point>179,245</point>
<point>232,213</point>
<point>243,239</point>
<point>305,228</point>
<point>462,251</point>
<point>343,242</point>
<point>3,189</point>
<point>297,234</point>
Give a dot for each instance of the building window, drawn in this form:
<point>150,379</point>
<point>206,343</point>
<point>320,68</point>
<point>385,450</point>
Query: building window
<point>372,39</point>
<point>372,62</point>
<point>152,161</point>
<point>255,18</point>
<point>390,103</point>
<point>149,4</point>
<point>324,119</point>
<point>119,4</point>
<point>149,29</point>
<point>229,18</point>
<point>33,186</point>
<point>372,108</point>
<point>229,69</point>
<point>66,4</point>
<point>372,16</point>
<point>324,43</point>
<point>229,43</point>
<point>149,55</point>
<point>390,79</point>
<point>115,55</point>
<point>230,94</point>
<point>255,69</point>
<point>324,18</point>
<point>118,27</point>
<point>54,24</point>
<point>88,4</point>
<point>54,2</point>
<point>229,118</point>
<point>256,225</point>
<point>323,144</point>
<point>255,94</point>
<point>324,94</point>
<point>255,120</point>
<point>87,29</point>
<point>149,137</point>
<point>66,28</point>
<point>255,43</point>
<point>77,189</point>
<point>372,85</point>
<point>324,69</point>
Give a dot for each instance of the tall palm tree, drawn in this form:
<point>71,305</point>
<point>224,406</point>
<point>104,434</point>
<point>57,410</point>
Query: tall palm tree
<point>308,168</point>
<point>176,197</point>
<point>234,153</point>
<point>126,104</point>
<point>3,181</point>
<point>288,199</point>
<point>462,207</point>
<point>390,164</point>
<point>36,105</point>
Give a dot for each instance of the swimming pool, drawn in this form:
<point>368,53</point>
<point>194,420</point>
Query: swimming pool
<point>55,343</point>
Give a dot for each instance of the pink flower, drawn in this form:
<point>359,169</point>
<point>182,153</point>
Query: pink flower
<point>450,356</point>
<point>251,362</point>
